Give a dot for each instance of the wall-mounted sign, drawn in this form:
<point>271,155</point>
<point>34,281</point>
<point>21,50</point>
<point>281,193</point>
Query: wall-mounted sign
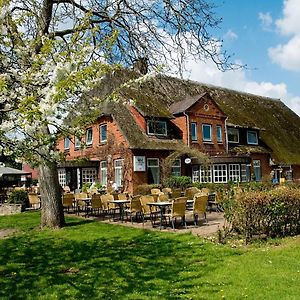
<point>139,163</point>
<point>187,160</point>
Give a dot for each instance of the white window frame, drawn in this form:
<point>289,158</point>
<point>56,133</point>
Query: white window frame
<point>252,131</point>
<point>118,172</point>
<point>245,172</point>
<point>234,172</point>
<point>176,167</point>
<point>62,178</point>
<point>236,130</point>
<point>157,121</point>
<point>195,137</point>
<point>206,139</point>
<point>88,175</point>
<point>88,139</point>
<point>103,172</point>
<point>219,130</point>
<point>101,127</point>
<point>154,166</point>
<point>205,174</point>
<point>195,174</point>
<point>220,173</point>
<point>67,143</point>
<point>77,142</point>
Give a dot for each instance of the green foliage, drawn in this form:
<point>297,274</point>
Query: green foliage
<point>19,197</point>
<point>178,182</point>
<point>85,187</point>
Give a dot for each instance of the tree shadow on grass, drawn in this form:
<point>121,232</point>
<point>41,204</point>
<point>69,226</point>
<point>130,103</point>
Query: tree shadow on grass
<point>142,265</point>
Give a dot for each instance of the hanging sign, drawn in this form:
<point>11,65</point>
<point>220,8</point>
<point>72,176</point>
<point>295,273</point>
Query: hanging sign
<point>139,163</point>
<point>187,160</point>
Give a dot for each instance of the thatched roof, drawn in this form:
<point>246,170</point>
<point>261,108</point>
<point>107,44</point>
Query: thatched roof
<point>153,97</point>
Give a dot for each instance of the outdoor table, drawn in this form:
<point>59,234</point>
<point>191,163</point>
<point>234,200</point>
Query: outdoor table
<point>120,203</point>
<point>162,207</point>
<point>87,202</point>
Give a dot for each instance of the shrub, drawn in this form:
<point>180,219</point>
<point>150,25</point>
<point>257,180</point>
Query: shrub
<point>178,182</point>
<point>19,197</point>
<point>85,187</point>
<point>269,213</point>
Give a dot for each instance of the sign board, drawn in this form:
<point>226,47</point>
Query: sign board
<point>139,163</point>
<point>187,160</point>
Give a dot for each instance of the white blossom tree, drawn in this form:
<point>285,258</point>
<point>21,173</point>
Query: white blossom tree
<point>53,51</point>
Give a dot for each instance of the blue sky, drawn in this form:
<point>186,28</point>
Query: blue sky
<point>265,35</point>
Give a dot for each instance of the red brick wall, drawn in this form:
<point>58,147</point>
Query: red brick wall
<point>296,172</point>
<point>140,120</point>
<point>264,164</point>
<point>180,122</point>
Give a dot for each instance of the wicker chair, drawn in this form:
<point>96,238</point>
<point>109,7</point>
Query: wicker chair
<point>199,207</point>
<point>96,204</point>
<point>190,192</point>
<point>178,210</point>
<point>68,201</point>
<point>34,201</point>
<point>135,208</point>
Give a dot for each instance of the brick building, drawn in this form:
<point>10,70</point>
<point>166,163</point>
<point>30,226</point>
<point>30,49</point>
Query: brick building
<point>246,137</point>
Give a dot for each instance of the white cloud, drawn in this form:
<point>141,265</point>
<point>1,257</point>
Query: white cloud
<point>207,72</point>
<point>287,55</point>
<point>265,20</point>
<point>230,35</point>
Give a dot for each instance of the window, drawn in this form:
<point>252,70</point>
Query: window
<point>89,175</point>
<point>220,173</point>
<point>155,127</point>
<point>234,172</point>
<point>219,133</point>
<point>103,173</point>
<point>89,136</point>
<point>233,135</point>
<point>256,169</point>
<point>206,132</point>
<point>176,168</point>
<point>77,142</point>
<point>252,137</point>
<point>195,174</point>
<point>194,131</point>
<point>153,170</point>
<point>67,143</point>
<point>103,133</point>
<point>62,177</point>
<point>245,173</point>
<point>119,172</point>
<point>205,174</point>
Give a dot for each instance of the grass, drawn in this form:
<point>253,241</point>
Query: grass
<point>92,260</point>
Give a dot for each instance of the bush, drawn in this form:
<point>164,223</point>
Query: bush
<point>269,213</point>
<point>178,182</point>
<point>19,197</point>
<point>85,187</point>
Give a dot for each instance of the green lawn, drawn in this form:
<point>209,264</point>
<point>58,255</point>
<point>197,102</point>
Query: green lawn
<point>91,260</point>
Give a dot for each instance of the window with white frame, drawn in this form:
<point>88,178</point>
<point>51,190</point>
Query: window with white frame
<point>103,133</point>
<point>206,132</point>
<point>195,174</point>
<point>205,174</point>
<point>118,164</point>
<point>103,173</point>
<point>252,137</point>
<point>89,136</point>
<point>234,172</point>
<point>257,169</point>
<point>245,173</point>
<point>77,143</point>
<point>220,173</point>
<point>67,143</point>
<point>89,175</point>
<point>156,127</point>
<point>233,135</point>
<point>62,177</point>
<point>176,167</point>
<point>219,133</point>
<point>194,131</point>
<point>153,170</point>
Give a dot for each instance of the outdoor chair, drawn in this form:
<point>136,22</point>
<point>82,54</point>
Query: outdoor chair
<point>162,198</point>
<point>205,190</point>
<point>155,191</point>
<point>199,207</point>
<point>81,205</point>
<point>96,204</point>
<point>34,201</point>
<point>190,192</point>
<point>215,202</point>
<point>67,189</point>
<point>68,201</point>
<point>135,208</point>
<point>178,210</point>
<point>167,191</point>
<point>110,208</point>
<point>176,193</point>
<point>147,209</point>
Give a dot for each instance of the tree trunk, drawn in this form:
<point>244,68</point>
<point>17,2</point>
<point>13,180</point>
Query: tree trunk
<point>52,209</point>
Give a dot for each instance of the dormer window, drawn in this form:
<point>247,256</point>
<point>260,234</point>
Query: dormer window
<point>233,135</point>
<point>206,132</point>
<point>77,142</point>
<point>67,143</point>
<point>252,137</point>
<point>155,127</point>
